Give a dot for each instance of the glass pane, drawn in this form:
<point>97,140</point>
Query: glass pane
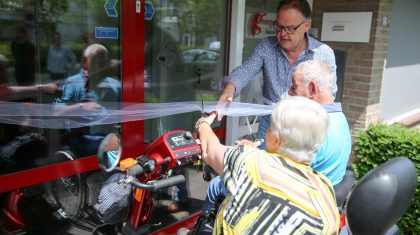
<point>44,43</point>
<point>184,60</point>
<point>258,18</point>
<point>62,206</point>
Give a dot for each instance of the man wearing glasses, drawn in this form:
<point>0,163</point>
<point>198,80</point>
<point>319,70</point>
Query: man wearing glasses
<point>278,56</point>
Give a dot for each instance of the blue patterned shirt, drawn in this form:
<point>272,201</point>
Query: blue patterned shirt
<point>74,91</point>
<point>270,59</point>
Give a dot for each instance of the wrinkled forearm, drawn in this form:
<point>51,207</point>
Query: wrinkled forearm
<point>213,150</point>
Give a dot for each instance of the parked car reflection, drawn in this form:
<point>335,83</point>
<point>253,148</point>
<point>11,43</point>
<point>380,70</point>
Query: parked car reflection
<point>200,56</point>
<point>203,65</point>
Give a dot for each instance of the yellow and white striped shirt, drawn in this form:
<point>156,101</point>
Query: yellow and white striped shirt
<point>272,194</point>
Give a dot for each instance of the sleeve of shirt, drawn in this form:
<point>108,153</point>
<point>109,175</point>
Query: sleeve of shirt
<point>67,92</point>
<point>244,73</point>
<point>4,93</point>
<point>233,161</point>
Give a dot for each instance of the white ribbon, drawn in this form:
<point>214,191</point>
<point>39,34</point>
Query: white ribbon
<point>43,115</point>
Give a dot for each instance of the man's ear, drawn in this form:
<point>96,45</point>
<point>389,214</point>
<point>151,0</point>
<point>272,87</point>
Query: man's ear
<point>312,89</point>
<point>276,141</point>
<point>308,25</point>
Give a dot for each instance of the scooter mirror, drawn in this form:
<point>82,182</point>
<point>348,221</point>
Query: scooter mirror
<point>109,152</point>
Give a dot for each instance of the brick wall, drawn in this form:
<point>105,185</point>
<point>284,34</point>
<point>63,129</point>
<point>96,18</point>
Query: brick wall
<point>365,61</point>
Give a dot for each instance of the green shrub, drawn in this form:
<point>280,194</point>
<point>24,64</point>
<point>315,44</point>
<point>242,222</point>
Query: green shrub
<point>77,49</point>
<point>381,142</point>
<point>5,50</point>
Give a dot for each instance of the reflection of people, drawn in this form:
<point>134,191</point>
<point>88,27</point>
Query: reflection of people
<point>86,91</point>
<point>277,57</point>
<point>61,59</point>
<point>277,184</point>
<point>17,149</point>
<point>24,55</point>
<point>80,91</point>
<point>314,80</point>
<point>10,93</point>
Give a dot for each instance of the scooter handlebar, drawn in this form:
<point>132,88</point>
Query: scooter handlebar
<point>171,181</point>
<point>135,170</point>
<point>160,184</point>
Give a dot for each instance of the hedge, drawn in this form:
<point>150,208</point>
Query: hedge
<point>381,142</point>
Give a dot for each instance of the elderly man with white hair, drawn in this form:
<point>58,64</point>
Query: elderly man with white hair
<point>274,191</point>
<point>86,93</point>
<point>313,79</point>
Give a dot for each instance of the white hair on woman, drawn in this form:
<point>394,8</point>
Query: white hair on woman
<point>318,71</point>
<point>301,124</point>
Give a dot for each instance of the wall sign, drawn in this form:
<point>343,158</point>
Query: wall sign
<point>106,32</point>
<point>346,26</point>
<point>150,11</point>
<point>110,9</point>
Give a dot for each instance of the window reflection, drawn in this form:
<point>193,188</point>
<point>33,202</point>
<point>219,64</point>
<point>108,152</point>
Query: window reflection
<point>41,61</point>
<point>184,61</point>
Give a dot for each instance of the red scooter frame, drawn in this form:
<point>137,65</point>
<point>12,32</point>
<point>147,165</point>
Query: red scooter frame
<point>171,150</point>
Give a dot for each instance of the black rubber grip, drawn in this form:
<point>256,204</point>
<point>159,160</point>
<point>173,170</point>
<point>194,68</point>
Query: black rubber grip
<point>135,170</point>
<point>171,181</point>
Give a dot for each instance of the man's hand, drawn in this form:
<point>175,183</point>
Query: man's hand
<point>254,144</point>
<point>48,87</point>
<point>243,142</point>
<point>90,106</point>
<point>226,97</point>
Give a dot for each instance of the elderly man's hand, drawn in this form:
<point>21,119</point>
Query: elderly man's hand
<point>48,87</point>
<point>253,144</point>
<point>90,106</point>
<point>226,97</point>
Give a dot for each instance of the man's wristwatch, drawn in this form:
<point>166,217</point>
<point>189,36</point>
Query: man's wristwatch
<point>199,123</point>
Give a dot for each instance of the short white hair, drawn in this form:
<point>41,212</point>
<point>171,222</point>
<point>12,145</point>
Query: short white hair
<point>318,71</point>
<point>301,124</point>
<point>98,58</point>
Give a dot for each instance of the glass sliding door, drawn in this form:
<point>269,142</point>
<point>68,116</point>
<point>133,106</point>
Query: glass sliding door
<point>184,60</point>
<point>184,57</point>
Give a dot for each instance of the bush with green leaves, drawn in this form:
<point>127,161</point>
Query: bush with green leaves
<point>381,142</point>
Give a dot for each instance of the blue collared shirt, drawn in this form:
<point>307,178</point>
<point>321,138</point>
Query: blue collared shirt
<point>270,59</point>
<point>333,155</point>
<point>74,90</point>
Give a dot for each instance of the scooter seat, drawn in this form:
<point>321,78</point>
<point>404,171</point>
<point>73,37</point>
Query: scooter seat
<point>381,197</point>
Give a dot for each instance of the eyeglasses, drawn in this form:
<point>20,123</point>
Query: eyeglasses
<point>288,29</point>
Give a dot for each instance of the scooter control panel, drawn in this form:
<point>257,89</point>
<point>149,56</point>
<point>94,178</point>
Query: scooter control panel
<point>180,145</point>
<point>184,148</point>
<point>178,140</point>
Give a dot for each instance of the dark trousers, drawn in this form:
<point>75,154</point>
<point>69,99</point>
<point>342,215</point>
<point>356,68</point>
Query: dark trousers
<point>343,188</point>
